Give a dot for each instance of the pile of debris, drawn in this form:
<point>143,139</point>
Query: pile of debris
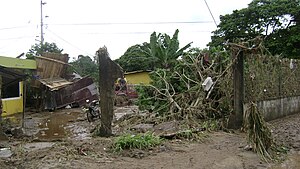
<point>54,88</point>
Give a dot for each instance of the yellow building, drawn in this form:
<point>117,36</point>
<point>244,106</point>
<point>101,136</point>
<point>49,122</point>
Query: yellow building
<point>138,77</point>
<point>12,83</point>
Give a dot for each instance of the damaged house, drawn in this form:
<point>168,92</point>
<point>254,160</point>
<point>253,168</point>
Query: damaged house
<point>56,88</point>
<point>12,84</point>
<point>51,86</point>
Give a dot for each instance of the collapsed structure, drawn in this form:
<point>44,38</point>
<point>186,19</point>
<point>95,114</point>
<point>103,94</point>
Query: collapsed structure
<point>58,88</point>
<point>52,86</point>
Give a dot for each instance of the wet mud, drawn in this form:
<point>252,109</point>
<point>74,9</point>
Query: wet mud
<point>62,139</point>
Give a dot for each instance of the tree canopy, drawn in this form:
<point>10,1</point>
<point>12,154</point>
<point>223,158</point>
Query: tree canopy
<point>277,21</point>
<point>161,52</point>
<point>133,59</point>
<point>85,66</point>
<point>38,49</point>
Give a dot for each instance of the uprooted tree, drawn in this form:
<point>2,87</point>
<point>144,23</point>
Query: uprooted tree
<point>178,93</point>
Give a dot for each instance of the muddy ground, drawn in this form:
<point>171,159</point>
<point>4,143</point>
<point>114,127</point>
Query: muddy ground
<point>62,139</point>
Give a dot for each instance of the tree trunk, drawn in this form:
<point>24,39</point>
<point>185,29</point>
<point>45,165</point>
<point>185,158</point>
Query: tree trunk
<point>109,71</point>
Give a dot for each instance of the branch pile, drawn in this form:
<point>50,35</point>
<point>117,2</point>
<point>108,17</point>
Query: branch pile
<point>178,93</point>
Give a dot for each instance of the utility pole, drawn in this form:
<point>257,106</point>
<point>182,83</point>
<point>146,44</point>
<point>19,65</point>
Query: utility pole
<point>42,23</point>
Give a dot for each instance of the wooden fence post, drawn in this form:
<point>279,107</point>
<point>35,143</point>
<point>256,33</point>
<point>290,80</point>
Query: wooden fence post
<point>236,118</point>
<point>109,71</point>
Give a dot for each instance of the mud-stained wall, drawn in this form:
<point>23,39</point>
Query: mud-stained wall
<point>277,108</point>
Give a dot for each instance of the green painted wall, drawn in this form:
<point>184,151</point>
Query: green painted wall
<point>10,62</point>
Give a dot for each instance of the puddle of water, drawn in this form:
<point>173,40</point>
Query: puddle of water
<point>55,126</point>
<point>79,132</point>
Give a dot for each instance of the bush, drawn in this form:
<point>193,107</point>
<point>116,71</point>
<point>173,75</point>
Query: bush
<point>139,141</point>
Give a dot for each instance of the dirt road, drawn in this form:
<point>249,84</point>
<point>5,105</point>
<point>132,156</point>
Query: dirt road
<point>61,139</point>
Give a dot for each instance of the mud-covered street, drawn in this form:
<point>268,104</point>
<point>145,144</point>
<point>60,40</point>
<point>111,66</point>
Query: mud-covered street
<point>62,139</point>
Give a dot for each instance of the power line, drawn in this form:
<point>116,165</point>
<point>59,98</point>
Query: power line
<point>15,27</point>
<point>129,33</point>
<point>211,13</point>
<point>68,42</point>
<point>131,23</point>
<point>20,37</point>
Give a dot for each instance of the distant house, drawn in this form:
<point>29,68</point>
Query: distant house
<point>138,77</point>
<point>12,78</point>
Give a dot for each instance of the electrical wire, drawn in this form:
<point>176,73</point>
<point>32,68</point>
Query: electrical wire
<point>131,23</point>
<point>14,38</point>
<point>130,33</point>
<point>68,42</point>
<point>211,13</point>
<point>14,27</point>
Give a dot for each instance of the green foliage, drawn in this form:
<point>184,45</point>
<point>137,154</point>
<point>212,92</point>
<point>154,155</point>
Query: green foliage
<point>162,52</point>
<point>211,125</point>
<point>85,66</point>
<point>274,20</point>
<point>145,98</point>
<point>38,49</point>
<point>189,134</point>
<point>138,141</point>
<point>177,93</point>
<point>165,50</point>
<point>134,59</point>
<point>280,81</point>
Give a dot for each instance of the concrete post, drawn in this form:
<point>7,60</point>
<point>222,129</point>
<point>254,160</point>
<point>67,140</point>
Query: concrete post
<point>109,71</point>
<point>236,118</point>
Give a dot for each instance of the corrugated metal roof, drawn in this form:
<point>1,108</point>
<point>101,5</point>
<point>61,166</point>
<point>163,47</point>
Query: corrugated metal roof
<point>55,83</point>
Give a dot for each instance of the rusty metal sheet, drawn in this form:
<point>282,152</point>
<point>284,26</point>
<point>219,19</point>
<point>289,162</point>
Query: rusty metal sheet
<point>74,94</point>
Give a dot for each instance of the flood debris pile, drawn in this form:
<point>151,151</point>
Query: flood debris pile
<point>190,92</point>
<point>197,95</point>
<point>184,101</point>
<point>259,134</point>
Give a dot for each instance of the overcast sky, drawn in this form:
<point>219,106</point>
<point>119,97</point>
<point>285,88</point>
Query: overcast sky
<point>82,26</point>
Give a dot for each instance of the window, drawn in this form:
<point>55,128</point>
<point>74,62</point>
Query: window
<point>12,90</point>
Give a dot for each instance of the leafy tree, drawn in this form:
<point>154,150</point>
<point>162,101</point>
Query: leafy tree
<point>38,49</point>
<point>133,59</point>
<point>277,21</point>
<point>85,66</point>
<point>162,52</point>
